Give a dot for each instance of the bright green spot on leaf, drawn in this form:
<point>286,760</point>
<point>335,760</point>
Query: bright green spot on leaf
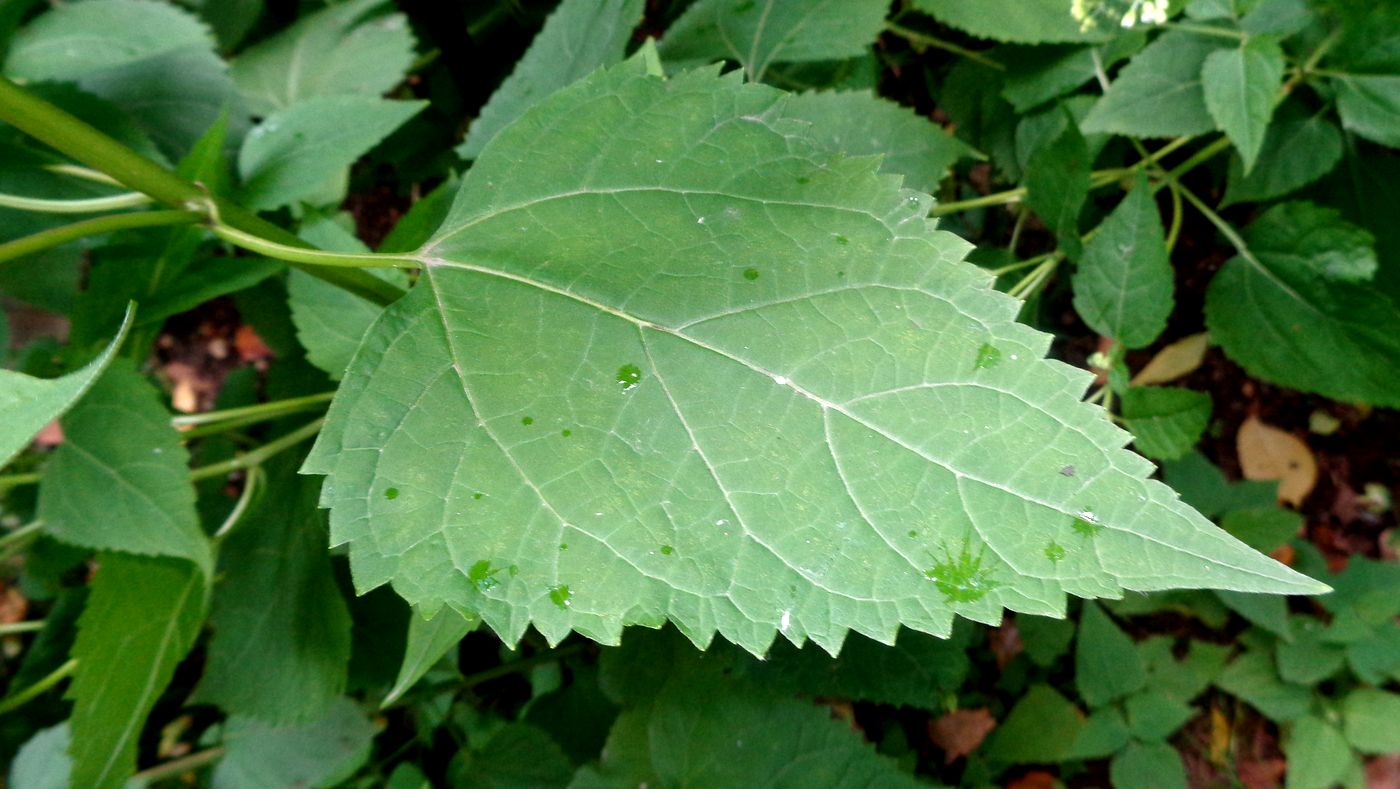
<point>629,375</point>
<point>561,596</point>
<point>987,357</point>
<point>667,550</point>
<point>1054,551</point>
<point>750,274</point>
<point>391,493</point>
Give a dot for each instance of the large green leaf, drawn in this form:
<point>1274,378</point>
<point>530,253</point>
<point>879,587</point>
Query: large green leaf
<point>759,33</point>
<point>1241,86</point>
<point>702,370</point>
<point>293,153</point>
<point>1296,311</point>
<point>1123,285</point>
<point>858,122</point>
<point>341,50</point>
<point>27,404</point>
<point>120,481</point>
<point>1020,21</point>
<point>1159,93</point>
<point>281,628</point>
<point>589,34</point>
<point>141,618</point>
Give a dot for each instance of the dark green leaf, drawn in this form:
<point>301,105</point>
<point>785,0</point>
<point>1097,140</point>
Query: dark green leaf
<point>1123,289</point>
<point>1252,677</point>
<point>1371,720</point>
<point>1241,88</point>
<point>1296,152</point>
<point>1262,528</point>
<point>1318,756</point>
<point>1370,106</point>
<point>1045,639</point>
<point>1103,734</point>
<point>120,479</point>
<point>324,752</point>
<point>1042,727</point>
<point>1021,21</point>
<point>1291,313</point>
<point>1158,94</point>
<point>1057,184</point>
<point>281,629</point>
<point>142,617</point>
<point>428,641</point>
<point>519,756</point>
<point>578,37</point>
<point>1154,715</point>
<point>1267,611</point>
<point>1157,765</point>
<point>1106,663</point>
<point>1166,422</point>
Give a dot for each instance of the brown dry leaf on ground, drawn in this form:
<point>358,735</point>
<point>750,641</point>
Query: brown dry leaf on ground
<point>14,607</point>
<point>1005,642</point>
<point>1175,360</point>
<point>960,732</point>
<point>1383,772</point>
<point>1267,453</point>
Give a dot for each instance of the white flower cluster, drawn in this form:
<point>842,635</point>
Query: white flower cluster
<point>1138,12</point>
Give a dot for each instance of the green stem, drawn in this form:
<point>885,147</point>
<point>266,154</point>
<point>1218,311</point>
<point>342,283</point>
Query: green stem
<point>58,236</point>
<point>310,257</point>
<point>15,480</point>
<point>924,40</point>
<point>261,411</point>
<point>15,628</point>
<point>1175,231</point>
<point>1027,263</point>
<point>1207,30</point>
<point>176,767</point>
<point>1222,144</point>
<point>503,670</point>
<point>16,700</point>
<point>85,173</point>
<point>90,205</point>
<point>68,135</point>
<point>1032,281</point>
<point>21,534</point>
<point>996,198</point>
<point>260,455</point>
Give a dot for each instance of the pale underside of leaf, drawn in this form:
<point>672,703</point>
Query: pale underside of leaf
<point>697,369</point>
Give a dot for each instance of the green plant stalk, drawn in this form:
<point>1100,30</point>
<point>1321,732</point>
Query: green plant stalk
<point>260,455</point>
<point>21,534</point>
<point>15,628</point>
<point>1206,30</point>
<point>90,205</point>
<point>70,136</point>
<point>13,702</point>
<point>255,475</point>
<point>58,236</point>
<point>85,173</point>
<point>310,257</point>
<point>503,670</point>
<point>1206,153</point>
<point>175,767</point>
<point>1174,232</point>
<point>924,40</point>
<point>260,412</point>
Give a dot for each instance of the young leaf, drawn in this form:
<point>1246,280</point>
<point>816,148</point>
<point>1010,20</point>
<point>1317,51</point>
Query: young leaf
<point>1253,678</point>
<point>592,33</point>
<point>1158,94</point>
<point>1241,86</point>
<point>1107,666</point>
<point>142,616</point>
<point>1370,106</point>
<point>428,641</point>
<point>294,152</point>
<point>519,755</point>
<point>1269,612</point>
<point>120,479</point>
<point>860,123</point>
<point>1147,764</point>
<point>27,404</point>
<point>324,752</point>
<point>1291,311</point>
<point>345,49</point>
<point>1043,727</point>
<point>281,628</point>
<point>759,33</point>
<point>1318,755</point>
<point>1123,286</point>
<point>1371,720</point>
<point>1296,151</point>
<point>1262,528</point>
<point>1019,21</point>
<point>701,431</point>
<point>1154,715</point>
<point>1166,422</point>
<point>1057,184</point>
<point>1036,75</point>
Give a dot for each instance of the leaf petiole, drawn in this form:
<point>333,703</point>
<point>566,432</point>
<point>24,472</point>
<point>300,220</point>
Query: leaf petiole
<point>211,422</point>
<point>14,701</point>
<point>47,239</point>
<point>311,257</point>
<point>260,455</point>
<point>90,205</point>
